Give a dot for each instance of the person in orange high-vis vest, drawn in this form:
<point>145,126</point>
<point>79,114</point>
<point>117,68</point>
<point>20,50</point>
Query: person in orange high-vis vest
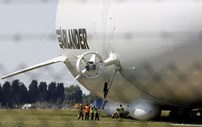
<point>87,111</point>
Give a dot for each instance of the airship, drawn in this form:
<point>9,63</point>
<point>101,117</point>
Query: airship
<point>148,51</point>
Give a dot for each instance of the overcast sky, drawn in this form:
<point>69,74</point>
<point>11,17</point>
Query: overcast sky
<point>25,40</point>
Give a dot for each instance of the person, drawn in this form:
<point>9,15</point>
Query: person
<point>116,114</point>
<point>105,89</point>
<point>96,114</point>
<point>80,112</point>
<point>87,111</point>
<point>92,112</point>
<point>121,111</point>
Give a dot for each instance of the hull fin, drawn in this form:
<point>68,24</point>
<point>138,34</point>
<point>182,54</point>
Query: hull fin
<point>51,61</point>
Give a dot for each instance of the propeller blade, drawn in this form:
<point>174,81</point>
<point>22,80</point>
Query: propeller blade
<point>93,58</point>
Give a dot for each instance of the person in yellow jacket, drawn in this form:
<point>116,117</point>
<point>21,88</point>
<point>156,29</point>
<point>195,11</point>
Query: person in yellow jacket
<point>92,111</point>
<point>121,111</point>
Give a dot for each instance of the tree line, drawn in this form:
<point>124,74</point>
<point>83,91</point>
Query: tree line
<point>16,93</point>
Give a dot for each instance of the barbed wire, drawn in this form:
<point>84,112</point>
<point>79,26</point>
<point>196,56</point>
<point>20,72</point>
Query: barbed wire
<point>28,36</point>
<point>27,1</point>
<point>128,36</point>
<point>40,1</point>
<point>81,1</point>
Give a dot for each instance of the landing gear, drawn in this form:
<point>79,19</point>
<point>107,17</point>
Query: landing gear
<point>183,115</point>
<point>179,115</point>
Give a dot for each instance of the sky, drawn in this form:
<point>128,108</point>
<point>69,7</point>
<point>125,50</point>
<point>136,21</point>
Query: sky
<point>27,37</point>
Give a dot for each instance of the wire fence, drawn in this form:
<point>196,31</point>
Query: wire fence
<point>27,1</point>
<point>28,36</point>
<point>83,1</point>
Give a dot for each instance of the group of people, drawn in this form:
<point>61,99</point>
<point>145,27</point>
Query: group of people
<point>91,112</point>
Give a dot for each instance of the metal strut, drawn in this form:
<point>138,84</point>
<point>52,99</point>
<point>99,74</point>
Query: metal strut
<point>109,86</point>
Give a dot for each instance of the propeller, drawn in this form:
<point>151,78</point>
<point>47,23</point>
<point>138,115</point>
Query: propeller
<point>90,65</point>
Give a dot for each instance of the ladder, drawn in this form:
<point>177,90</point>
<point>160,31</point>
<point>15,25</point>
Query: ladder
<point>109,86</point>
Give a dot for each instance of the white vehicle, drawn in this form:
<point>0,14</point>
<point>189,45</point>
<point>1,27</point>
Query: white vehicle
<point>26,106</point>
<point>149,50</point>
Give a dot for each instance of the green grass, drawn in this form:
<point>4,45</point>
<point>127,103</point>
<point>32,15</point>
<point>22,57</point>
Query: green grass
<point>66,118</point>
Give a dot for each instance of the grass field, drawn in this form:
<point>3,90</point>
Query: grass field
<point>67,118</point>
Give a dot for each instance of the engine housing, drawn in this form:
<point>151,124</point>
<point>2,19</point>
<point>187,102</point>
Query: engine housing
<point>144,110</point>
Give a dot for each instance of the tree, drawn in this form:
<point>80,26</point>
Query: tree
<point>90,98</point>
<point>73,94</point>
<point>52,92</point>
<point>78,94</point>
<point>6,93</point>
<point>61,91</point>
<point>0,95</point>
<point>33,91</point>
<point>43,92</point>
<point>23,93</point>
<point>15,92</point>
